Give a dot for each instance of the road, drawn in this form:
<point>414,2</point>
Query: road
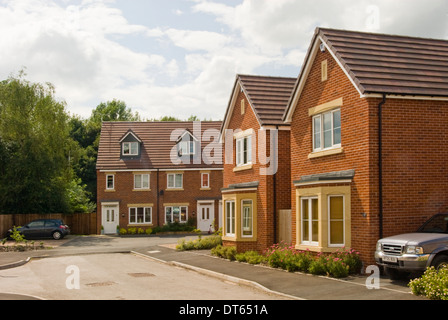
<point>118,277</point>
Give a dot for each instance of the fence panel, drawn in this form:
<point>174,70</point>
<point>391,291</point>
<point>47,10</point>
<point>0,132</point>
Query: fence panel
<point>79,223</point>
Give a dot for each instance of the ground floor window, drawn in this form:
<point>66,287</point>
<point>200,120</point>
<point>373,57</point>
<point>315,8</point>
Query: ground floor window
<point>140,215</point>
<point>323,218</point>
<point>310,221</point>
<point>230,218</point>
<point>247,216</point>
<point>176,214</point>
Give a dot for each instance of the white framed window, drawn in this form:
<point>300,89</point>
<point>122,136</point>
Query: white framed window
<point>176,214</point>
<point>205,180</point>
<point>230,218</point>
<point>327,130</point>
<point>175,180</point>
<point>336,221</point>
<point>130,148</point>
<point>140,215</point>
<point>247,217</point>
<point>110,182</point>
<point>187,148</point>
<point>244,151</point>
<point>310,220</point>
<point>141,181</point>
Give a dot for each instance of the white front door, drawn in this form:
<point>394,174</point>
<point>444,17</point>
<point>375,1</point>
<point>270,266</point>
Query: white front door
<point>206,215</point>
<point>109,219</point>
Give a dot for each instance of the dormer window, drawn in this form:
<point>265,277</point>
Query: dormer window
<point>130,148</point>
<point>130,145</point>
<point>186,144</point>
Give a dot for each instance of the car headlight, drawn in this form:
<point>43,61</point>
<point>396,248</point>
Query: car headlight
<point>414,250</point>
<point>379,246</point>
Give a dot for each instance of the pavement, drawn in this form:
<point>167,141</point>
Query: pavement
<point>298,286</point>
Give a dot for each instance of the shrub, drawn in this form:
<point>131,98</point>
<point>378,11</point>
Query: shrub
<point>433,284</point>
<point>132,230</point>
<point>336,268</point>
<point>123,231</point>
<point>200,243</point>
<point>318,266</point>
<point>148,231</point>
<point>225,252</point>
<point>251,257</point>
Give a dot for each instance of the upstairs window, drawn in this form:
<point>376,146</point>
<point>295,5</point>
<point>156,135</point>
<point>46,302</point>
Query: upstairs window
<point>186,144</point>
<point>244,151</point>
<point>130,145</point>
<point>327,130</point>
<point>130,148</point>
<point>175,181</point>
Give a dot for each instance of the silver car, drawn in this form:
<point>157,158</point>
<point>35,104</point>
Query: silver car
<point>414,252</point>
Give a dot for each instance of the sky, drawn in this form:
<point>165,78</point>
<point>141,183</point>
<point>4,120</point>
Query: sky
<point>181,57</point>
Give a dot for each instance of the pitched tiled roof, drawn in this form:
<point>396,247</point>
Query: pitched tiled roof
<point>268,96</point>
<point>390,64</point>
<point>156,144</point>
<point>379,64</point>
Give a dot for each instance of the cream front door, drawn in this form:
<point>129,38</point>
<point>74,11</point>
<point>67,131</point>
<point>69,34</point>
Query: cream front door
<point>206,215</point>
<point>109,219</point>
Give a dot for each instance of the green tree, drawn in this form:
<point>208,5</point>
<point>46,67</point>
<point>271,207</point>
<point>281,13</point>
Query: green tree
<point>34,148</point>
<point>87,135</point>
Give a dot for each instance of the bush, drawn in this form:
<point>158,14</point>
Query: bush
<point>148,231</point>
<point>199,244</point>
<point>433,284</point>
<point>225,252</point>
<point>336,268</point>
<point>123,231</point>
<point>251,257</point>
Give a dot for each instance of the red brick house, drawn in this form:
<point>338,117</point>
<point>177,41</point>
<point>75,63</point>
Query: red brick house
<point>153,173</point>
<point>254,186</point>
<point>369,121</point>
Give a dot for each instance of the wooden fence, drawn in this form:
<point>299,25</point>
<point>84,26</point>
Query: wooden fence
<point>80,223</point>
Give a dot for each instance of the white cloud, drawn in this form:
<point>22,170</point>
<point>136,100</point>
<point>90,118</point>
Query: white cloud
<point>93,52</point>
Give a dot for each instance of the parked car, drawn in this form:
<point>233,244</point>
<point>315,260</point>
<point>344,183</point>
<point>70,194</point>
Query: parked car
<point>44,228</point>
<point>415,252</point>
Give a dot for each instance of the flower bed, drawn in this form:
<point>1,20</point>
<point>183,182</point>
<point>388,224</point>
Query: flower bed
<point>338,265</point>
<point>433,284</point>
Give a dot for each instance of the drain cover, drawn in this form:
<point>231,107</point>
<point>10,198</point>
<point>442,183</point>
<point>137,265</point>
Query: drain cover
<point>101,284</point>
<point>141,275</point>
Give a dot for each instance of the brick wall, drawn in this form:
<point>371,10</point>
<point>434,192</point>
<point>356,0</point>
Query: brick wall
<point>265,192</point>
<point>191,193</point>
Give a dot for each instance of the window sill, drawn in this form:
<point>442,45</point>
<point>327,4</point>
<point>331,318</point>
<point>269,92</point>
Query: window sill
<point>109,190</point>
<point>325,153</point>
<point>141,190</point>
<point>174,189</point>
<point>242,168</point>
<point>130,225</point>
<point>304,247</point>
<point>206,189</point>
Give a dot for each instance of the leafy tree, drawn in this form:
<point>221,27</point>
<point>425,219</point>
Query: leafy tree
<point>34,148</point>
<point>87,135</point>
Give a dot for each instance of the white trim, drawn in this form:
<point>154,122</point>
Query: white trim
<point>163,170</point>
<point>113,181</point>
<point>202,179</point>
<point>238,190</point>
<point>130,148</point>
<point>227,234</point>
<point>322,182</point>
<point>280,128</point>
<point>130,132</point>
<point>144,215</point>
<point>310,221</point>
<point>407,97</point>
<point>174,181</point>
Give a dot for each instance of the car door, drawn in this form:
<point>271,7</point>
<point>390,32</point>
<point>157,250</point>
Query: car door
<point>34,229</point>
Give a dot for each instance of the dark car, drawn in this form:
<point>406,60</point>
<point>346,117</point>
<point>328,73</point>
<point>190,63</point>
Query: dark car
<point>44,228</point>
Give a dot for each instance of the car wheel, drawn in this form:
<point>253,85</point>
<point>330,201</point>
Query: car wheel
<point>440,261</point>
<point>57,235</point>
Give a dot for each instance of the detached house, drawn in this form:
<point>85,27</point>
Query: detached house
<point>369,124</point>
<point>257,159</point>
<point>154,173</point>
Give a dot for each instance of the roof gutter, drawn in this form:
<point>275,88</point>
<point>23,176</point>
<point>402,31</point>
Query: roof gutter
<point>380,163</point>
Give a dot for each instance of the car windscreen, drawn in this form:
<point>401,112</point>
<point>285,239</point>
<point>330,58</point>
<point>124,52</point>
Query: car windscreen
<point>437,224</point>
